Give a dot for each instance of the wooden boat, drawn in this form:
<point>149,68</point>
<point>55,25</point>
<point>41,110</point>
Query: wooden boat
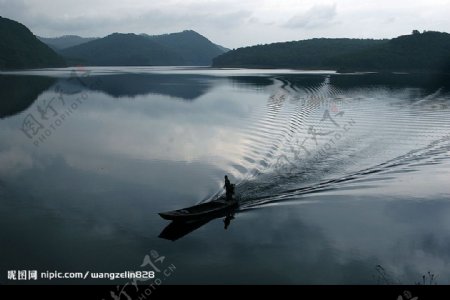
<point>206,210</point>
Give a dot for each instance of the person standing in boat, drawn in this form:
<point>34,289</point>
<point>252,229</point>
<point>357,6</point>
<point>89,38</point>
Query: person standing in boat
<point>229,188</point>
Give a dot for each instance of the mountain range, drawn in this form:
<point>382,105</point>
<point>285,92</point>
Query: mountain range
<point>65,41</point>
<point>19,48</point>
<point>427,51</point>
<point>119,49</point>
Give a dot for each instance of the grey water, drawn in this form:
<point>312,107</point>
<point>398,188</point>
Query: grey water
<point>341,178</point>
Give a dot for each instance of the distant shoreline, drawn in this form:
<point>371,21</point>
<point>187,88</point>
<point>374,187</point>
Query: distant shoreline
<point>206,68</point>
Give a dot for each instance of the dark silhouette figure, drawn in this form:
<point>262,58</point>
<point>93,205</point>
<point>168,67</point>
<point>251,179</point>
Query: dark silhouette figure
<point>227,220</point>
<point>229,188</point>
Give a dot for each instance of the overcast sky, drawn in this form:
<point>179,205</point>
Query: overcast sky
<point>232,23</point>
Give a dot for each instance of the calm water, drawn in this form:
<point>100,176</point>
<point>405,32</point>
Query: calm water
<point>342,178</point>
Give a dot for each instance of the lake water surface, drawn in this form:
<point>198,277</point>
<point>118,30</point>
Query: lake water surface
<point>342,178</point>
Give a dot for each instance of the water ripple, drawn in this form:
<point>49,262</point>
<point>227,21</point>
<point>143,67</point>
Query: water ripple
<point>311,139</point>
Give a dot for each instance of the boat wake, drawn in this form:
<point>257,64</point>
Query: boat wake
<point>313,139</point>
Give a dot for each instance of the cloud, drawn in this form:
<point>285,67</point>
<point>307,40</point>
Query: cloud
<point>100,19</point>
<point>316,16</point>
<point>232,23</point>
